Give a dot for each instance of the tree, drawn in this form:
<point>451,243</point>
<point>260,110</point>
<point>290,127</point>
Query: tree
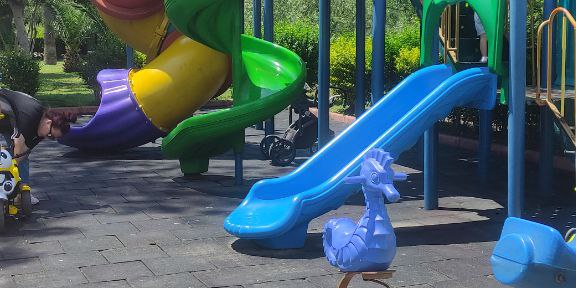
<point>17,7</point>
<point>6,28</point>
<point>73,24</point>
<point>50,57</point>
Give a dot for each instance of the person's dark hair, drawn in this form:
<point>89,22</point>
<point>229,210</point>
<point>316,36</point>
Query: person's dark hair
<point>60,120</point>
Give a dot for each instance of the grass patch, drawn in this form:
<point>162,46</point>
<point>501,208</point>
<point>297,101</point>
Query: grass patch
<point>227,95</point>
<point>60,89</point>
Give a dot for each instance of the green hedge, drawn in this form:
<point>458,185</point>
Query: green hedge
<point>19,71</point>
<point>109,53</point>
<point>302,38</point>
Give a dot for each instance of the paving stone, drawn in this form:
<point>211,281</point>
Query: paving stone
<point>258,274</point>
<point>161,224</point>
<point>162,238</point>
<point>51,279</point>
<point>52,234</point>
<point>131,254</point>
<point>73,260</point>
<point>107,284</point>
<point>29,250</point>
<point>91,244</point>
<point>109,229</point>
<point>298,283</point>
<point>477,282</point>
<point>107,218</point>
<point>412,255</point>
<point>173,265</point>
<point>7,282</point>
<point>20,266</point>
<point>197,248</point>
<point>117,271</point>
<point>169,281</point>
<point>230,260</point>
<point>195,232</point>
<point>416,275</point>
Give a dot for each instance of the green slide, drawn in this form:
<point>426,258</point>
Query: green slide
<point>266,79</point>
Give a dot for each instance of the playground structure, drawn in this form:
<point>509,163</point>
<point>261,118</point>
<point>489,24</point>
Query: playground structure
<point>266,78</point>
<point>316,187</point>
<point>185,72</point>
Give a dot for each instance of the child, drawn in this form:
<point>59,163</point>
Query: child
<point>483,41</point>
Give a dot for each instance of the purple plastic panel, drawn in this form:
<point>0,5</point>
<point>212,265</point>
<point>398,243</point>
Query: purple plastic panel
<point>119,122</point>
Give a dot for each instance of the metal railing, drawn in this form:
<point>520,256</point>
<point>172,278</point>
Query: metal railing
<point>559,112</point>
<point>446,27</point>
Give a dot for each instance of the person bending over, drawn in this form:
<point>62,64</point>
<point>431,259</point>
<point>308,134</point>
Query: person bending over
<point>26,122</point>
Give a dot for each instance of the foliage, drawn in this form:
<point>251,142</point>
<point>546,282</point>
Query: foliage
<point>19,71</point>
<point>110,54</point>
<point>60,89</point>
<point>343,67</point>
<point>6,29</point>
<point>73,25</point>
<point>396,40</point>
<point>302,38</point>
<point>408,61</point>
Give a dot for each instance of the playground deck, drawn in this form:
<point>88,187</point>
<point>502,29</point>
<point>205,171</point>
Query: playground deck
<point>131,220</point>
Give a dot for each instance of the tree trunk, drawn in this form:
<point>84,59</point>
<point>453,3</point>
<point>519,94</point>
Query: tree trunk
<point>49,36</point>
<point>17,7</point>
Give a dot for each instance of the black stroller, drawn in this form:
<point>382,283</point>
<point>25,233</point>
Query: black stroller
<point>301,134</point>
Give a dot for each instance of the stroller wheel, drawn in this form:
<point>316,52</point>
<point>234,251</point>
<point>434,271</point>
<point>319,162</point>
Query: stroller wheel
<point>266,143</point>
<point>282,152</point>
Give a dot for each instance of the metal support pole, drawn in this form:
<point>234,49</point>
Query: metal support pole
<point>431,168</point>
<point>323,73</point>
<point>516,116</point>
<point>485,144</point>
<point>378,39</point>
<point>360,57</point>
<point>549,6</point>
<point>238,168</point>
<point>129,57</point>
<point>546,163</point>
<point>431,152</point>
<point>242,17</point>
<point>257,12</point>
<point>269,36</point>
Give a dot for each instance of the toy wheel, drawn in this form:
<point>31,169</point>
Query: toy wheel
<point>571,233</point>
<point>26,201</point>
<point>266,143</point>
<point>282,152</point>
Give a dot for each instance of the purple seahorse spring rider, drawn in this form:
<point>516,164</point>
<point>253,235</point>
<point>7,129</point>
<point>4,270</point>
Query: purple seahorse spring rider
<point>370,244</point>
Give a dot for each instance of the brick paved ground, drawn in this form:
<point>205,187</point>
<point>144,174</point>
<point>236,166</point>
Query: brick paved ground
<point>131,220</point>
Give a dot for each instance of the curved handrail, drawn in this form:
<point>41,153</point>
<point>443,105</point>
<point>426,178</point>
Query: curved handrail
<point>547,101</point>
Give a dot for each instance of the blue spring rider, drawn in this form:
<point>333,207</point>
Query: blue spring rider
<point>370,244</point>
<point>532,255</point>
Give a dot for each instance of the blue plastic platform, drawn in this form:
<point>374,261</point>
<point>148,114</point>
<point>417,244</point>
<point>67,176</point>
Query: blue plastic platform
<point>276,212</point>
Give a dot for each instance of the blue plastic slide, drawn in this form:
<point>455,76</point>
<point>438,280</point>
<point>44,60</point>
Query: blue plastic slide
<point>276,212</point>
<point>532,255</point>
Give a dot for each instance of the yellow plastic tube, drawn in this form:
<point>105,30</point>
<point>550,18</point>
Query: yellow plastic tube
<point>178,82</point>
